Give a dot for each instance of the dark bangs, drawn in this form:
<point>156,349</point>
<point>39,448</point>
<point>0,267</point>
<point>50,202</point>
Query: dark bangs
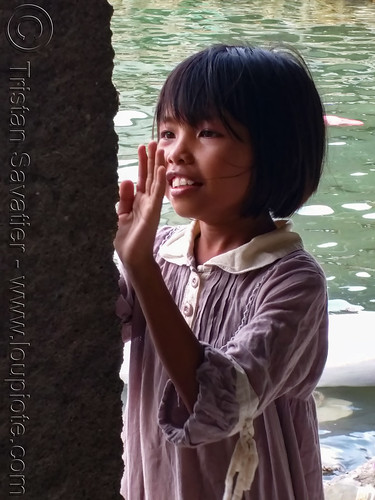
<point>204,86</point>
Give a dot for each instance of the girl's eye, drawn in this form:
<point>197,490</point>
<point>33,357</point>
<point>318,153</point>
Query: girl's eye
<point>208,133</point>
<point>166,134</point>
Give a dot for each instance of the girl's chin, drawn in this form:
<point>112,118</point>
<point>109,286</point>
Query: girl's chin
<point>181,209</point>
<point>186,214</point>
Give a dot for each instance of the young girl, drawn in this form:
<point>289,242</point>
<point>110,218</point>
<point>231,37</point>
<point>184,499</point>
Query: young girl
<point>227,316</point>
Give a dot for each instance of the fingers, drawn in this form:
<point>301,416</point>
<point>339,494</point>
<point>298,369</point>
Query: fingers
<point>146,165</point>
<point>151,170</point>
<point>151,151</point>
<point>160,172</point>
<point>160,183</point>
<point>159,158</point>
<point>142,168</point>
<point>126,192</point>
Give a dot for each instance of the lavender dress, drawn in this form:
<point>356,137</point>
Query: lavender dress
<point>261,312</point>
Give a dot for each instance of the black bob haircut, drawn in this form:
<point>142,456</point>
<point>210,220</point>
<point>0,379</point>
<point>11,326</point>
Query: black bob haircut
<point>271,93</point>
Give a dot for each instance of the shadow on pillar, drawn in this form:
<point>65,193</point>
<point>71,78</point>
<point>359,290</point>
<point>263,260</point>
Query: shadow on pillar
<point>60,343</point>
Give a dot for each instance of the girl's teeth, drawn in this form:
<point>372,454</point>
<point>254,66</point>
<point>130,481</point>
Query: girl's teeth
<point>181,181</point>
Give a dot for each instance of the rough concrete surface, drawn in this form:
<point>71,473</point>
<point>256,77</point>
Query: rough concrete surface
<point>60,411</point>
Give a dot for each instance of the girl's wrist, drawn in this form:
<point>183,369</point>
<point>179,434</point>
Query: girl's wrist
<point>140,268</point>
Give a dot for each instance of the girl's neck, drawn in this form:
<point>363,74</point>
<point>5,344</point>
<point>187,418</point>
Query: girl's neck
<point>216,239</point>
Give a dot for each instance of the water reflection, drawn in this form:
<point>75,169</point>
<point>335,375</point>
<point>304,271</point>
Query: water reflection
<point>337,38</point>
<point>315,210</point>
<point>347,424</point>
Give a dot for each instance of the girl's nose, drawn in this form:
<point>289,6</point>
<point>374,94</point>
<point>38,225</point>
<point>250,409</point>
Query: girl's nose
<point>179,152</point>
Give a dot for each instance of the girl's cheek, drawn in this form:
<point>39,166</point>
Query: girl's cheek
<point>167,192</point>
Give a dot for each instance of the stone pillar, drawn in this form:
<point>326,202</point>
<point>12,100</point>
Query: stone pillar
<point>60,342</point>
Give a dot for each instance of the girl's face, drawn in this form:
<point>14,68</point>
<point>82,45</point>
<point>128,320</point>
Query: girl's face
<point>208,169</point>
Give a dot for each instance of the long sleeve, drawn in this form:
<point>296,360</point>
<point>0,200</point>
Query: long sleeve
<point>279,348</point>
<point>125,301</point>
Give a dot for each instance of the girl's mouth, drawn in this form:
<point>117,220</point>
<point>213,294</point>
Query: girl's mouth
<point>179,185</point>
<point>181,181</point>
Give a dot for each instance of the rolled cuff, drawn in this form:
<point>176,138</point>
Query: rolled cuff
<point>124,303</point>
<point>225,400</point>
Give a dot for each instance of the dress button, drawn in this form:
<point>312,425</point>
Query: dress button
<point>194,281</point>
<point>187,310</point>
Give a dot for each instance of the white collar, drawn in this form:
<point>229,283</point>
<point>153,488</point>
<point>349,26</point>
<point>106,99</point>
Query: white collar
<point>258,252</point>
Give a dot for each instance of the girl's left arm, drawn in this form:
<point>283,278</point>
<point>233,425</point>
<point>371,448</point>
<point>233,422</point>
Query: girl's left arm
<point>139,213</point>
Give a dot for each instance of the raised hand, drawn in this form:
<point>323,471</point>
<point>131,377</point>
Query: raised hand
<point>139,214</point>
<point>139,208</point>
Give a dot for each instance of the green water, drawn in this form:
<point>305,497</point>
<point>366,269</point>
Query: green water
<point>337,38</point>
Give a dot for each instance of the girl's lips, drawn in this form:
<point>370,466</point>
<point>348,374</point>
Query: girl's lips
<point>175,192</point>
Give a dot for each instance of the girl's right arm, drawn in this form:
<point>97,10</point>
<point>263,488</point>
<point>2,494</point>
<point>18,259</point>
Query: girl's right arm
<point>178,348</point>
